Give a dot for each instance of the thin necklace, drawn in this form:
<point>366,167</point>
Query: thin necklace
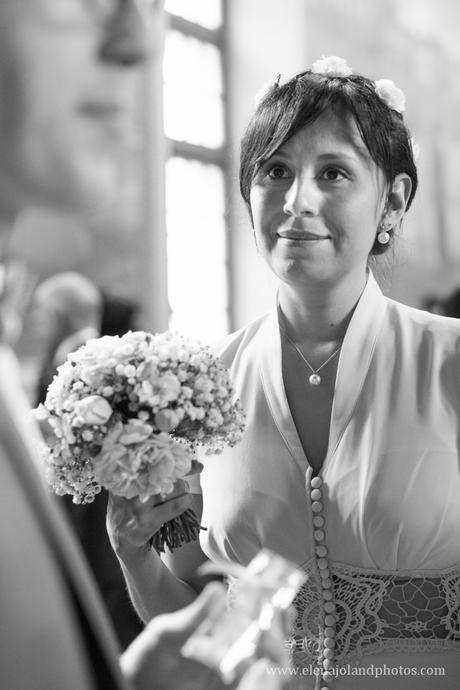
<point>314,379</point>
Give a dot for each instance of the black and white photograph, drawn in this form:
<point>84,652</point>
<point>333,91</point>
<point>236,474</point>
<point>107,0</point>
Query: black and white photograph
<point>229,345</point>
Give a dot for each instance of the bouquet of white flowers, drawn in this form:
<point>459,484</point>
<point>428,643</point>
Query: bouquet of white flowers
<point>126,414</point>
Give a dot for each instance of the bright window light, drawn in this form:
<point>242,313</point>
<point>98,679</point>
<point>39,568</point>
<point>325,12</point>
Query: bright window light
<point>208,13</point>
<point>193,109</point>
<point>196,235</point>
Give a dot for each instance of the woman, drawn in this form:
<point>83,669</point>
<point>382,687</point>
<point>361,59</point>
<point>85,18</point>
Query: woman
<point>349,464</point>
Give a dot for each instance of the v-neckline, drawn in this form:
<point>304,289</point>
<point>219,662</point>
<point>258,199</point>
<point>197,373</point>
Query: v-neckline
<point>354,361</point>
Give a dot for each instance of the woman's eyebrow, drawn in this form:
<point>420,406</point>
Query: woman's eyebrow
<point>336,154</point>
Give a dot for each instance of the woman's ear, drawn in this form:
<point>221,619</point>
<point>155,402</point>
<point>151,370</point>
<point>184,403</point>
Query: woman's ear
<point>398,198</point>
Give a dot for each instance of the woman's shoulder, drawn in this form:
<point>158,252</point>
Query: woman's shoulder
<point>419,325</point>
<point>228,347</point>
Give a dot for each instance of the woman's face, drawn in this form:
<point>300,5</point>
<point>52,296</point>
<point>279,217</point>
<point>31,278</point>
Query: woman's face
<point>317,202</point>
<point>65,107</point>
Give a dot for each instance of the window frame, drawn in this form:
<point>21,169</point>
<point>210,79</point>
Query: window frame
<point>215,156</point>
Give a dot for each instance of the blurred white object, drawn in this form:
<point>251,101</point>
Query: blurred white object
<point>264,589</point>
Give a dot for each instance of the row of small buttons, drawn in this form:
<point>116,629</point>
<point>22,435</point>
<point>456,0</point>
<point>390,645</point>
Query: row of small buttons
<point>327,652</point>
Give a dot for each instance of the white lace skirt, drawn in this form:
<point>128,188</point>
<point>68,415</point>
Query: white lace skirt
<point>359,629</point>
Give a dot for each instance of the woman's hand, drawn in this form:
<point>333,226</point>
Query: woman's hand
<point>131,523</point>
<point>153,584</point>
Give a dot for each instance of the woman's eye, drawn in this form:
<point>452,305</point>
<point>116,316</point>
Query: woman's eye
<point>333,175</point>
<point>277,172</point>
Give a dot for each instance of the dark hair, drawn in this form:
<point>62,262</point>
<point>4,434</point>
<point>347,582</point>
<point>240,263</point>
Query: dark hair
<point>287,108</point>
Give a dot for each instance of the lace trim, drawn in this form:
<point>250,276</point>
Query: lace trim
<point>377,611</point>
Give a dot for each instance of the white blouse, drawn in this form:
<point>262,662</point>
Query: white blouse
<point>378,531</point>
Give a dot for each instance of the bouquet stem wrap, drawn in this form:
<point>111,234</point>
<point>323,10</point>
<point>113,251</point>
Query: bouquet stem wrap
<point>128,413</point>
<point>176,532</point>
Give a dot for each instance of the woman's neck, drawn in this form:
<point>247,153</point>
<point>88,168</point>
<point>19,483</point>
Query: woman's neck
<point>320,313</point>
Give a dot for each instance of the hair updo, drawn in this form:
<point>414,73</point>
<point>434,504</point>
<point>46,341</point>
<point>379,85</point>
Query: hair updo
<point>285,109</point>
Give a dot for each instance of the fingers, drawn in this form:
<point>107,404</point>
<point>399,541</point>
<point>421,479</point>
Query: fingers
<point>271,642</point>
<point>136,516</point>
<point>206,648</point>
<point>260,676</point>
<point>131,522</point>
<point>137,511</point>
<point>203,613</point>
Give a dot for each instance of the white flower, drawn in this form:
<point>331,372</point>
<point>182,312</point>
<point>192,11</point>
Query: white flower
<point>214,419</point>
<point>390,94</point>
<point>332,66</point>
<point>129,371</point>
<point>93,409</point>
<point>195,360</point>
<point>134,431</point>
<point>143,469</point>
<point>166,420</point>
<point>203,384</point>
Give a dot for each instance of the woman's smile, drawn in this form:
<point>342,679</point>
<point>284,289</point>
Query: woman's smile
<point>293,235</point>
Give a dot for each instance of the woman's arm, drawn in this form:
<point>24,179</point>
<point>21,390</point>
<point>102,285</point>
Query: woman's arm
<point>155,586</point>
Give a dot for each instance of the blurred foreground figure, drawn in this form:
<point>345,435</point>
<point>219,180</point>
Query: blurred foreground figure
<point>65,75</point>
<point>69,310</point>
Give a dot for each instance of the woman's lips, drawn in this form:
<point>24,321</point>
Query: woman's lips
<point>301,235</point>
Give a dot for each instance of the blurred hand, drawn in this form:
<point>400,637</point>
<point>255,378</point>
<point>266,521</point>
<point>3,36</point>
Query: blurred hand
<point>154,660</point>
<point>270,651</point>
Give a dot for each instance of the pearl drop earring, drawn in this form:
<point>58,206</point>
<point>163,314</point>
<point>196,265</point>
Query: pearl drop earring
<point>383,236</point>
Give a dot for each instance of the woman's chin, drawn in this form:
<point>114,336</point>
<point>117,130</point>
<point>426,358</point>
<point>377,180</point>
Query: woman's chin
<point>302,271</point>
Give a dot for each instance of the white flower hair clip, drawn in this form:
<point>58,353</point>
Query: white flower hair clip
<point>387,90</point>
<point>334,66</point>
<point>331,66</point>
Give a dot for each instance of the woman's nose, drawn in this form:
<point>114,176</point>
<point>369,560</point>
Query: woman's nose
<point>301,198</point>
<point>125,39</point>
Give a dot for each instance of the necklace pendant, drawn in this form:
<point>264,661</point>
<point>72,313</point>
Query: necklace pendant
<point>314,380</point>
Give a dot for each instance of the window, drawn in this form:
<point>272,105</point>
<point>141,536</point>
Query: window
<point>206,13</point>
<point>194,117</point>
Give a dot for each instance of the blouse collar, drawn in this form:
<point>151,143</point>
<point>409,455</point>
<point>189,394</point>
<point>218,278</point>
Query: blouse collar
<point>354,361</point>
